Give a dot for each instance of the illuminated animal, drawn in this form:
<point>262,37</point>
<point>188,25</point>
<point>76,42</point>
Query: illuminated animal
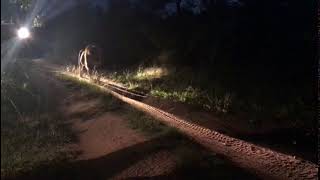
<point>89,59</point>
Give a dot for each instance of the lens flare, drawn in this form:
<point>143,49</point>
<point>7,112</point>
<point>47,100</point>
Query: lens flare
<point>23,33</point>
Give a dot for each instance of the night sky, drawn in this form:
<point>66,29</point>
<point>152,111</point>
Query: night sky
<point>100,3</point>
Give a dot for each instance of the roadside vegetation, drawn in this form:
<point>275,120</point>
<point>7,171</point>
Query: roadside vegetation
<point>177,85</point>
<point>193,161</point>
<point>32,132</point>
<point>221,59</point>
<point>197,88</point>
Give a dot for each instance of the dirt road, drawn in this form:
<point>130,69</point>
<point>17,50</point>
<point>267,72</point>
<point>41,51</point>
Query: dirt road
<point>138,154</point>
<point>264,162</point>
<point>106,147</point>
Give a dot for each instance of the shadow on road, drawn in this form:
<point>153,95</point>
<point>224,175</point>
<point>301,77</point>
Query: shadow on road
<point>104,167</point>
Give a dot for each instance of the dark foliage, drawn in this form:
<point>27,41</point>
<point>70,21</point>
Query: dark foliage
<point>261,50</point>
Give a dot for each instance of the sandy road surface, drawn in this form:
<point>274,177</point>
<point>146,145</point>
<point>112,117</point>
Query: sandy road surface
<point>107,148</point>
<point>262,161</point>
<point>266,163</point>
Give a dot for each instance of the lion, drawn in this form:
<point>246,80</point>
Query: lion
<point>89,59</point>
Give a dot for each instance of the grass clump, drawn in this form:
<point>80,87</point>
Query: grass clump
<point>181,86</point>
<point>32,132</point>
<point>32,142</point>
<point>137,120</point>
<point>109,102</point>
<point>166,83</point>
<point>221,93</point>
<point>189,95</point>
<point>230,98</point>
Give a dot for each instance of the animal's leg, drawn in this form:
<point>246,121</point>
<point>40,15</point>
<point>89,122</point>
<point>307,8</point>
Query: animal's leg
<point>79,59</point>
<point>80,53</point>
<point>81,71</point>
<point>80,62</point>
<point>86,64</point>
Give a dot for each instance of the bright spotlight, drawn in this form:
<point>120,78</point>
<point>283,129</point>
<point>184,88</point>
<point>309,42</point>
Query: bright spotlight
<point>23,33</point>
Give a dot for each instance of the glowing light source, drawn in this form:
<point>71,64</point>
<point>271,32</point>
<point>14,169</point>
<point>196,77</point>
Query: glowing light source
<point>23,33</point>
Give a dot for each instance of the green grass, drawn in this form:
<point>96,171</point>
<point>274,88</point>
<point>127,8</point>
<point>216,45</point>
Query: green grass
<point>224,94</point>
<point>229,97</point>
<point>109,102</point>
<point>34,142</point>
<point>180,86</point>
<point>31,134</point>
<point>91,87</point>
<point>137,120</point>
<point>193,161</point>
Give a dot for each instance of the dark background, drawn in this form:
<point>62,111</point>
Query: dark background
<point>264,51</point>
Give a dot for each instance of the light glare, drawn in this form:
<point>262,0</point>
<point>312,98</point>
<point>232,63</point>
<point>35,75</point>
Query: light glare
<point>23,33</point>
